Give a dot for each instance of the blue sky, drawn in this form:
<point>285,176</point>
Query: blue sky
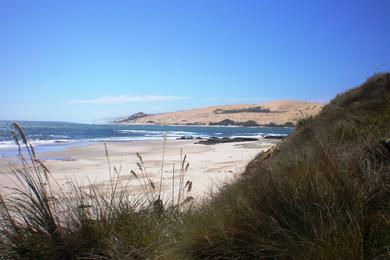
<point>85,60</point>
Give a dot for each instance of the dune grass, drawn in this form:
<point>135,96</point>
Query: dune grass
<point>323,193</point>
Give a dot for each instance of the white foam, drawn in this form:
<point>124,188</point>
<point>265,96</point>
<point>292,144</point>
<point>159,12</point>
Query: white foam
<point>59,136</point>
<point>12,144</point>
<point>140,131</point>
<point>257,135</point>
<point>7,144</point>
<point>158,133</point>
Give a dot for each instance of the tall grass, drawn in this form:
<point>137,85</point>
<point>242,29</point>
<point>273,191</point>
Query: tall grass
<point>324,193</point>
<point>41,220</point>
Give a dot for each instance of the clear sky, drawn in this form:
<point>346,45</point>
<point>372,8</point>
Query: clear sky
<point>86,60</point>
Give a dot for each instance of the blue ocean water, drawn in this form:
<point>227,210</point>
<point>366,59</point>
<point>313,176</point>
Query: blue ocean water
<point>47,136</point>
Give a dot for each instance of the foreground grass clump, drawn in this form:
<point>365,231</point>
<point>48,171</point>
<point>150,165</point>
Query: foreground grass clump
<point>39,220</point>
<point>324,193</point>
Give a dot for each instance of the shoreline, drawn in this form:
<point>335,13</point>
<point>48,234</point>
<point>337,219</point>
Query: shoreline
<point>210,165</point>
<point>190,125</point>
<point>53,141</point>
<point>149,124</point>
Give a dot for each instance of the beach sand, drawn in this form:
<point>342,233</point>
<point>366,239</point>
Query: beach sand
<point>210,166</point>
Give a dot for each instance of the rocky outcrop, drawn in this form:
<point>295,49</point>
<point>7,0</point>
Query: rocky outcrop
<point>133,117</point>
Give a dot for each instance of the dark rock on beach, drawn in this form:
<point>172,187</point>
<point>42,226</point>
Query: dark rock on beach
<point>274,137</point>
<point>185,137</point>
<point>189,137</point>
<point>216,140</point>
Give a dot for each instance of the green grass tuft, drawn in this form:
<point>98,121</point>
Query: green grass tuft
<point>323,193</point>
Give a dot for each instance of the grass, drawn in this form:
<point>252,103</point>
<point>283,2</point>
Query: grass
<point>40,221</point>
<point>323,193</point>
<point>256,109</point>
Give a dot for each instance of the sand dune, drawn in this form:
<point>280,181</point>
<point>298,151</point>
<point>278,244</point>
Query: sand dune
<point>276,112</point>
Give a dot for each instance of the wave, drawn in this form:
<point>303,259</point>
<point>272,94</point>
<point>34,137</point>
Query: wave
<point>7,144</point>
<point>49,134</point>
<point>11,145</point>
<point>60,136</point>
<point>156,132</point>
<point>139,131</point>
<point>257,135</point>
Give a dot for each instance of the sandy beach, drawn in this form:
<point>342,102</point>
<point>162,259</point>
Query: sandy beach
<point>210,166</point>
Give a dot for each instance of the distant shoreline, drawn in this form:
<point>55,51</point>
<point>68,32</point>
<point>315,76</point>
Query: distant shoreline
<point>198,125</point>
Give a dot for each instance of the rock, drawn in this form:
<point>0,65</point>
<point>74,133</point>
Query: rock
<point>185,137</point>
<point>274,137</point>
<point>216,140</point>
<point>132,117</point>
<point>225,122</point>
<point>248,123</point>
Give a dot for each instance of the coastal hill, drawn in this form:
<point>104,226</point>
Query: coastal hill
<point>275,113</point>
<point>323,193</point>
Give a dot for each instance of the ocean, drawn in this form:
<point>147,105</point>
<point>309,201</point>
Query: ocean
<point>49,136</point>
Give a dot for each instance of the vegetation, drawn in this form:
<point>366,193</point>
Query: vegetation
<point>304,121</point>
<point>323,193</point>
<point>41,221</point>
<point>250,123</point>
<point>256,109</point>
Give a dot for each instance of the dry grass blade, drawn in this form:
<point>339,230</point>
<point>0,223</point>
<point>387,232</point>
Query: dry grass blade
<point>187,200</point>
<point>152,185</point>
<point>140,167</point>
<point>173,184</point>
<point>162,162</point>
<point>16,140</point>
<point>183,161</point>
<point>139,157</point>
<point>187,166</point>
<point>134,174</point>
<point>189,187</point>
<point>19,130</point>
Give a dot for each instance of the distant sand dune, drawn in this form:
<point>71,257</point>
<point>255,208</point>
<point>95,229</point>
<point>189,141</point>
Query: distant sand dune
<point>280,112</point>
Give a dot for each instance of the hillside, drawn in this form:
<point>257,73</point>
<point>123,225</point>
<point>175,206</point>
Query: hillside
<point>324,193</point>
<point>276,112</point>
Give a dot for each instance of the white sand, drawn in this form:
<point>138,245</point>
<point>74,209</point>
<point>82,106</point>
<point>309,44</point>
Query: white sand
<point>210,165</point>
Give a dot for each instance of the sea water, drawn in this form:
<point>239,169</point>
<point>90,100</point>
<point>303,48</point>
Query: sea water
<point>49,136</point>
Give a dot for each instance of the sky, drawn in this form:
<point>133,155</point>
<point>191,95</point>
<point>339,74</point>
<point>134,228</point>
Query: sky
<point>87,60</point>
